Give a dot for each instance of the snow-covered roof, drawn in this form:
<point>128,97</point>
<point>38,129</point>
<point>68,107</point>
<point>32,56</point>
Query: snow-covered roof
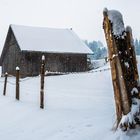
<point>49,40</point>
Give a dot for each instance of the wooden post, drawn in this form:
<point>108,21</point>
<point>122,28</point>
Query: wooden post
<point>42,83</point>
<point>117,47</point>
<point>112,51</point>
<point>5,84</point>
<point>17,83</point>
<point>123,68</point>
<point>131,50</point>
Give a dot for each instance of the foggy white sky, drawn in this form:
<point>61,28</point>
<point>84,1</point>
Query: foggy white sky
<point>84,16</point>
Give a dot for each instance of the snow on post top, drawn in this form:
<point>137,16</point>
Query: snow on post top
<point>117,22</point>
<point>43,57</point>
<point>129,29</point>
<point>105,10</point>
<point>17,68</point>
<point>6,73</point>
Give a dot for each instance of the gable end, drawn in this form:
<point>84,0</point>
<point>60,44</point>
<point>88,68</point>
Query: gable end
<point>10,40</point>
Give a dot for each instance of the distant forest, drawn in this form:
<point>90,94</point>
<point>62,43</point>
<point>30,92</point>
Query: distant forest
<point>100,51</point>
<point>137,46</point>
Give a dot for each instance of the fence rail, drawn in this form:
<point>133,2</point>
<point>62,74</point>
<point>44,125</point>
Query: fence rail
<point>52,74</point>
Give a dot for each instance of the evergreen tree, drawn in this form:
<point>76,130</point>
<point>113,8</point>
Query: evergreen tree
<point>137,46</point>
<point>98,49</point>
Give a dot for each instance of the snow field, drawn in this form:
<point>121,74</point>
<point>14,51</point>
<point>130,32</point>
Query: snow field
<point>76,107</point>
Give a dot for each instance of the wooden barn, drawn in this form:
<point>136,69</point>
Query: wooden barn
<point>25,45</point>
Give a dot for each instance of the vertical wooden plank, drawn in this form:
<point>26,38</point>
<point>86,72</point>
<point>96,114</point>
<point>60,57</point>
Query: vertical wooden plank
<point>123,89</point>
<point>112,51</point>
<point>131,51</point>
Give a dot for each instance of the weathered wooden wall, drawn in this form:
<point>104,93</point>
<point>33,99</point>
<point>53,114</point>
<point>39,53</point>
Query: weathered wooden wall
<point>12,55</point>
<point>31,61</point>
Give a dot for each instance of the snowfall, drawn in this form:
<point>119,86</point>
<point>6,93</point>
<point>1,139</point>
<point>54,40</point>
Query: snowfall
<point>78,106</point>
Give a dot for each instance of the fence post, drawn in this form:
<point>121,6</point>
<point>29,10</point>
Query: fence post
<point>42,82</point>
<point>111,50</point>
<point>17,83</point>
<point>126,74</point>
<point>130,48</point>
<point>120,58</point>
<point>5,84</point>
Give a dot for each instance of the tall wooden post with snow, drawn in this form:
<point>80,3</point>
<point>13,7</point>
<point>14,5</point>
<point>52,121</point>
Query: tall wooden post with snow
<point>123,68</point>
<point>42,82</point>
<point>17,83</point>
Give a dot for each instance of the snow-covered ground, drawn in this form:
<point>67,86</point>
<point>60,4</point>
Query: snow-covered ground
<point>97,63</point>
<point>77,107</point>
